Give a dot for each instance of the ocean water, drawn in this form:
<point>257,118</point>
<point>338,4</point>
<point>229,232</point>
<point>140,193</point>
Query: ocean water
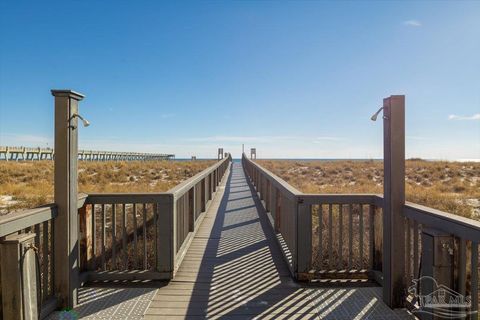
<point>338,159</point>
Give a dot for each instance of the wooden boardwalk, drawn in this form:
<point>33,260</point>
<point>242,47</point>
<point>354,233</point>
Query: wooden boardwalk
<point>234,269</point>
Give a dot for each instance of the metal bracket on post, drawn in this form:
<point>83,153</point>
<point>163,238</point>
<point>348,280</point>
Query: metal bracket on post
<point>19,277</point>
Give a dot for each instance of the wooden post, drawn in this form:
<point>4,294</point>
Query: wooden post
<point>394,286</point>
<point>19,285</point>
<point>437,263</point>
<point>166,233</point>
<point>304,240</point>
<point>437,257</point>
<point>66,265</point>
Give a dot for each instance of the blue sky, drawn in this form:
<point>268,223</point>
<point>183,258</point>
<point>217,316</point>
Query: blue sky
<point>293,79</point>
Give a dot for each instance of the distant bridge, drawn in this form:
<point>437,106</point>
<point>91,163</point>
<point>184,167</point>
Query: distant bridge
<point>31,154</point>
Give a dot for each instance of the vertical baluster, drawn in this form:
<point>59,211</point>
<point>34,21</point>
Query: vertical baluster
<point>155,228</point>
<point>330,237</point>
<point>371,235</point>
<point>340,237</point>
<point>320,236</point>
<point>124,236</point>
<point>416,272</point>
<point>350,237</point>
<point>37,235</point>
<point>104,267</point>
<point>45,260</point>
<point>179,218</point>
<point>135,248</point>
<point>94,242</point>
<point>462,265</point>
<point>145,236</point>
<point>408,251</point>
<point>474,277</point>
<point>361,235</point>
<point>37,240</point>
<point>114,236</point>
<point>180,221</point>
<point>51,258</point>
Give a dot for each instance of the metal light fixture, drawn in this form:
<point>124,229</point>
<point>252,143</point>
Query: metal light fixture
<point>375,115</point>
<point>85,122</point>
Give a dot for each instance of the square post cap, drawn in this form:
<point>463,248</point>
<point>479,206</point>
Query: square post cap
<point>67,93</point>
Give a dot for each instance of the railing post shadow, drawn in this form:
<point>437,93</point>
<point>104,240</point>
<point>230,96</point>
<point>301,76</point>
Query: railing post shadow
<point>66,248</point>
<point>394,286</point>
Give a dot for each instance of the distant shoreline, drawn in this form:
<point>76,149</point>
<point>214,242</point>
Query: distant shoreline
<point>359,159</point>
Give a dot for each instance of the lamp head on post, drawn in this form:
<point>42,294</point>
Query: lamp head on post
<point>375,115</point>
<point>85,122</point>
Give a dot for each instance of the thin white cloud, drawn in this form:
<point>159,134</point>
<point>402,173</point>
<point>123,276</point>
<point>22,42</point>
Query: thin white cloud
<point>264,139</point>
<point>27,140</point>
<point>167,115</point>
<point>457,117</point>
<point>412,23</point>
<point>245,139</point>
<point>417,138</point>
<point>322,139</point>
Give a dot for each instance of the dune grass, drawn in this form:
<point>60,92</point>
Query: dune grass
<point>30,184</point>
<point>448,186</point>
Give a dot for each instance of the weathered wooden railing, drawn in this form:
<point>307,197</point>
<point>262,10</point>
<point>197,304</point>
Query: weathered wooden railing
<point>38,222</point>
<point>122,236</point>
<point>337,236</point>
<point>143,236</point>
<point>443,246</point>
<point>325,236</point>
<point>341,235</point>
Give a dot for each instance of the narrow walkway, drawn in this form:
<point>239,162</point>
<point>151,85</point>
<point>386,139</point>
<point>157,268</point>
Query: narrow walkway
<point>234,270</point>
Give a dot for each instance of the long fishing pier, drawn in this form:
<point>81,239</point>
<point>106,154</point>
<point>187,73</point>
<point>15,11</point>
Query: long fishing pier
<point>236,242</point>
<point>33,154</point>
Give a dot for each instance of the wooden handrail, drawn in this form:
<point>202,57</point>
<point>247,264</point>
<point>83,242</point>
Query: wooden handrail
<point>182,188</point>
<point>459,226</point>
<point>275,180</point>
<point>354,198</point>
<point>11,223</point>
<point>120,198</point>
<point>21,219</point>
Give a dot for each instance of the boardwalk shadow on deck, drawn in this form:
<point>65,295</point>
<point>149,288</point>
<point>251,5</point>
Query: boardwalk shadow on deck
<point>111,301</point>
<point>234,269</point>
<point>249,278</point>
